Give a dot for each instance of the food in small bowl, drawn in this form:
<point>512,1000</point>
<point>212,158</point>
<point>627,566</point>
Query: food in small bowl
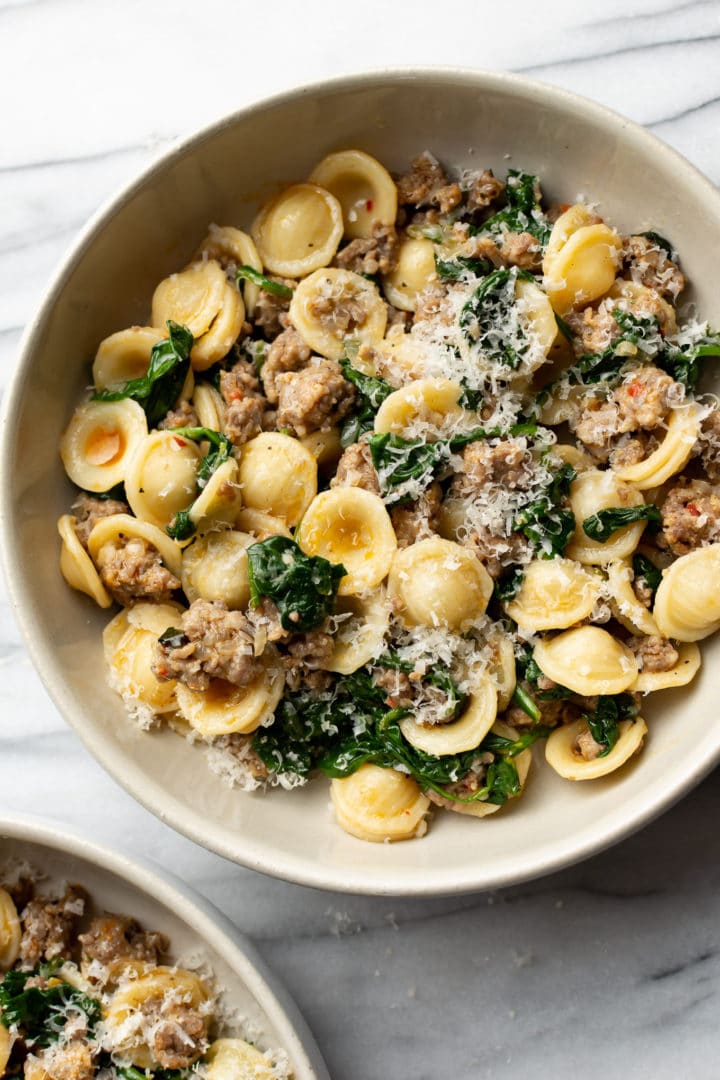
<point>355,534</point>
<point>89,991</point>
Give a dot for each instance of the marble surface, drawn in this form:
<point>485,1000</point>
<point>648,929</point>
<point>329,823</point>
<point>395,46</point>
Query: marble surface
<point>610,969</point>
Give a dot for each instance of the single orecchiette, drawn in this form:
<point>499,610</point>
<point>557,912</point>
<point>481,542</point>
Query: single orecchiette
<point>562,754</point>
<point>591,492</point>
<point>363,187</point>
<point>192,297</point>
<point>672,454</point>
<point>333,306</point>
<point>10,932</point>
<point>161,478</point>
<point>235,1059</point>
<point>437,582</point>
<point>362,623</point>
<point>124,355</point>
<point>215,567</point>
<point>379,804</point>
<point>424,402</point>
<point>465,733</point>
<point>414,271</point>
<point>555,594</point>
<point>76,565</point>
<point>350,526</point>
<point>588,661</point>
<point>224,709</point>
<point>687,603</point>
<point>278,476</point>
<point>299,231</point>
<point>100,442</point>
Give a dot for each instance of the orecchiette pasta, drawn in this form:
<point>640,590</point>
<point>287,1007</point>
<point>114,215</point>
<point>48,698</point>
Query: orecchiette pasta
<point>128,643</point>
<point>277,475</point>
<point>682,673</point>
<point>562,754</point>
<point>222,333</point>
<point>161,477</point>
<point>685,607</point>
<point>259,524</point>
<point>299,231</point>
<point>439,583</point>
<point>554,594</point>
<point>584,267</point>
<point>351,527</point>
<point>362,624</point>
<point>593,491</point>
<point>538,317</point>
<point>116,528</point>
<point>209,406</point>
<point>673,453</point>
<point>626,607</point>
<point>215,567</point>
<point>465,733</point>
<point>333,306</point>
<point>10,932</point>
<point>5,1048</point>
<point>363,187</point>
<point>220,500</point>
<point>124,355</point>
<point>414,271</point>
<point>100,441</point>
<point>232,247</point>
<point>422,403</point>
<point>588,661</point>
<point>379,804</point>
<point>225,709</point>
<point>76,565</point>
<point>193,297</point>
<point>235,1059</point>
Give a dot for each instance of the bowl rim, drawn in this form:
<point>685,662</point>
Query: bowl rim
<point>211,925</point>
<point>302,869</point>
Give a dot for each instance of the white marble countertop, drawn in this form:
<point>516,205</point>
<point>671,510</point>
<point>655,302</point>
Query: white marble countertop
<point>608,970</point>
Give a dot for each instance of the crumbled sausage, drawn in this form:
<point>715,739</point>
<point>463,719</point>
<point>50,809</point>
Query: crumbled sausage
<point>218,644</point>
<point>654,653</point>
<point>417,520</point>
<point>433,305</point>
<point>426,184</point>
<point>341,312</point>
<point>509,249</point>
<point>306,658</point>
<point>66,1061</point>
<point>506,464</point>
<point>593,329</point>
<point>465,787</point>
<point>271,310</point>
<point>641,403</point>
<point>630,451</point>
<point>587,746</point>
<point>313,399</point>
<point>246,404</point>
<point>183,415</point>
<point>708,445</point>
<point>116,937</point>
<point>483,190</point>
<point>649,264</point>
<point>397,684</point>
<point>355,469</point>
<point>690,516</point>
<point>288,352</point>
<point>130,568</point>
<point>179,1033</point>
<point>496,552</point>
<point>89,511</point>
<point>376,254</point>
<point>47,926</point>
<point>265,618</point>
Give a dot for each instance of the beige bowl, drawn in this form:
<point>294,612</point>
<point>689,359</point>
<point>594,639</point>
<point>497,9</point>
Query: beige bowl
<point>196,929</point>
<point>467,119</point>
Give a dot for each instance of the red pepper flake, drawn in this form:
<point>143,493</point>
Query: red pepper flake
<point>369,205</point>
<point>635,388</point>
<point>564,206</point>
<point>178,441</point>
<point>692,509</point>
<point>235,395</point>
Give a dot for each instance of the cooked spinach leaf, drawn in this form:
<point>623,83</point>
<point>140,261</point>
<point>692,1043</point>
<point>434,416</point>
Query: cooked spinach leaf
<point>453,268</point>
<point>371,392</point>
<point>181,527</point>
<point>605,523</point>
<point>437,678</point>
<point>41,1013</point>
<point>488,318</point>
<point>545,522</point>
<point>647,571</point>
<point>158,391</point>
<point>131,1072</point>
<point>401,462</point>
<point>659,241</point>
<point>681,361</point>
<point>608,714</point>
<point>523,212</point>
<point>525,702</point>
<point>173,638</point>
<point>302,587</point>
<point>247,273</point>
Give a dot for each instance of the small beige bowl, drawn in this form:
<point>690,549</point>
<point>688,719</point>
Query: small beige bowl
<point>468,119</point>
<point>162,902</point>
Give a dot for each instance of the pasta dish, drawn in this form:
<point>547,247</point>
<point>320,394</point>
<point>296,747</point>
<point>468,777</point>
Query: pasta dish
<point>87,994</point>
<point>412,474</point>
